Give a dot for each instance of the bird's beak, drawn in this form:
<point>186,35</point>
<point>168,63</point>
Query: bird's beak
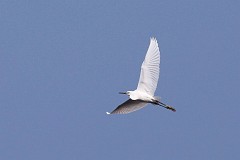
<point>122,93</point>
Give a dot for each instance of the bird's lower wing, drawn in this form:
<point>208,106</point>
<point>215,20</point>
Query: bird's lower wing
<point>128,107</point>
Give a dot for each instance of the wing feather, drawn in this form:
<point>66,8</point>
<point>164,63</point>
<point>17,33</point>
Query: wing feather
<point>129,106</point>
<point>150,69</point>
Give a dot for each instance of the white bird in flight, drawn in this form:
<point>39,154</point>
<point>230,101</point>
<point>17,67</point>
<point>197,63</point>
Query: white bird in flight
<point>147,84</point>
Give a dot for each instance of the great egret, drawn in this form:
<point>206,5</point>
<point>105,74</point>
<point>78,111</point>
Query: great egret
<point>147,84</point>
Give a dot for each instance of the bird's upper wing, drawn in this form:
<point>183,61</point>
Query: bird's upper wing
<point>150,69</point>
<point>128,107</point>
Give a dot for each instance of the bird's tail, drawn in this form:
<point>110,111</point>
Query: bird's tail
<point>157,98</point>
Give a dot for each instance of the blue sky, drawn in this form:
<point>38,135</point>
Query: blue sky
<point>62,64</point>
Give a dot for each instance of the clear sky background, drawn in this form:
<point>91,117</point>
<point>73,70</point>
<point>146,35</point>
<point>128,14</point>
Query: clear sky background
<point>62,64</point>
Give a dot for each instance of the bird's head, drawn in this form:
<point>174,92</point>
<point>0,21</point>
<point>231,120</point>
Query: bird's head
<point>127,93</point>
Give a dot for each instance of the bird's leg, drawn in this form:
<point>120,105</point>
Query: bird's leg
<point>166,106</point>
<point>155,102</point>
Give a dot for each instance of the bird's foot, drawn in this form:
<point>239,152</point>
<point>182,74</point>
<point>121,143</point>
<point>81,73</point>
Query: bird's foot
<point>171,108</point>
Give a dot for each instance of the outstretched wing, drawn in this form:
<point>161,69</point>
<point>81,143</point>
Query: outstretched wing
<point>150,69</point>
<point>128,107</point>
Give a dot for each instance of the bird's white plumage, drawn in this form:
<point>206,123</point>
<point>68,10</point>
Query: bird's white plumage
<point>150,69</point>
<point>147,84</point>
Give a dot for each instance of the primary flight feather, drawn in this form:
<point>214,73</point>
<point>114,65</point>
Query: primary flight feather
<point>147,84</point>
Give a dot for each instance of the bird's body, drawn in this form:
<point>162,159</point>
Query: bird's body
<point>147,84</point>
<point>140,95</point>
